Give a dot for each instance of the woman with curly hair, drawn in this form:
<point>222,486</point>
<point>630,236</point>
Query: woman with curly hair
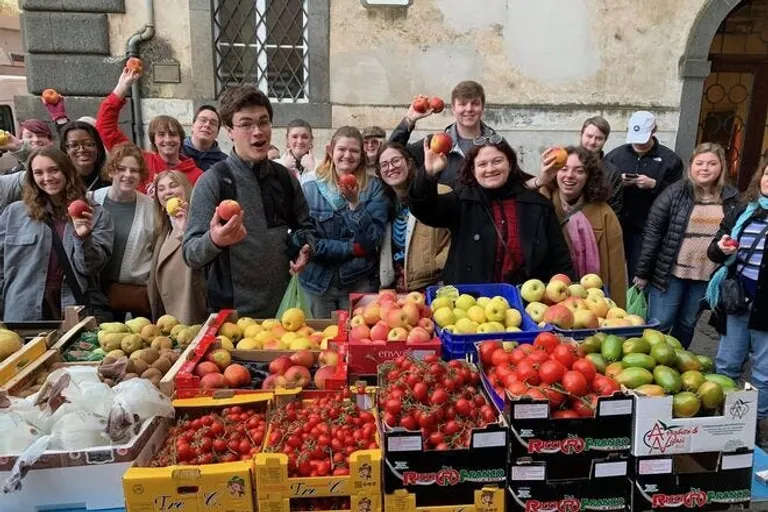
<point>125,277</point>
<point>36,284</point>
<point>590,226</point>
<point>680,226</point>
<point>501,232</point>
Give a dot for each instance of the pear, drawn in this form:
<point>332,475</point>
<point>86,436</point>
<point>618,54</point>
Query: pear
<point>166,323</point>
<point>137,324</point>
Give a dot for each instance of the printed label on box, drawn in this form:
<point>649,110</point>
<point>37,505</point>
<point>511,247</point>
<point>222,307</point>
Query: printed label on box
<point>606,469</point>
<point>404,444</point>
<point>489,439</point>
<point>531,411</point>
<point>742,460</point>
<point>616,408</point>
<point>655,467</point>
<point>528,473</point>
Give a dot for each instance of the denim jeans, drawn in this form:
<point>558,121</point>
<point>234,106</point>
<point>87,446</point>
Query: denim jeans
<point>678,307</point>
<point>740,342</point>
<point>336,297</point>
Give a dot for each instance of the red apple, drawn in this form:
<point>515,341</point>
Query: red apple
<point>380,331</point>
<point>420,104</point>
<point>303,358</point>
<point>270,382</point>
<point>397,334</point>
<point>228,209</point>
<point>221,357</point>
<point>441,143</point>
<point>418,335</point>
<point>359,332</point>
<point>412,312</point>
<point>76,208</point>
<point>213,381</point>
<point>427,324</point>
<point>396,318</point>
<point>205,367</point>
<point>347,181</point>
<point>280,365</point>
<point>328,358</point>
<point>323,374</point>
<point>135,65</point>
<point>237,375</point>
<point>297,377</point>
<point>372,313</point>
<point>416,297</point>
<point>436,104</point>
<point>561,277</point>
<point>560,316</point>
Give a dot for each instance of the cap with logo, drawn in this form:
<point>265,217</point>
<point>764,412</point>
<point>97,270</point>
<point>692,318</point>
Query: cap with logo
<point>374,131</point>
<point>640,128</point>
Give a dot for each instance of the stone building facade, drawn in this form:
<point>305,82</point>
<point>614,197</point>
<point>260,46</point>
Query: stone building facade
<point>546,65</point>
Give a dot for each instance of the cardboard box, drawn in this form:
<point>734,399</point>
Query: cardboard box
<point>487,499</point>
<point>704,481</point>
<point>18,361</point>
<point>656,432</point>
<point>224,486</point>
<point>88,478</point>
<point>445,478</point>
<point>536,486</point>
<point>364,358</point>
<point>29,375</point>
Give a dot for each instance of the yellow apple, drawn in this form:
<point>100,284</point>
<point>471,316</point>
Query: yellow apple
<point>483,301</point>
<point>459,313</point>
<point>466,326</point>
<point>268,324</point>
<point>533,290</point>
<point>249,344</point>
<point>513,318</point>
<point>513,329</point>
<point>591,281</point>
<point>444,316</point>
<point>476,314</point>
<point>225,342</point>
<point>495,311</point>
<point>465,301</point>
<point>635,319</point>
<point>252,330</point>
<point>536,311</point>
<point>501,299</point>
<point>441,302</point>
<point>615,313</point>
<point>595,293</point>
<point>300,344</point>
<point>331,331</point>
<point>598,306</point>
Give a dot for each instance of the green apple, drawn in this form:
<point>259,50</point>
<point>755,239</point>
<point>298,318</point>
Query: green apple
<point>501,299</point>
<point>476,314</point>
<point>466,326</point>
<point>513,329</point>
<point>486,327</point>
<point>465,301</point>
<point>441,302</point>
<point>444,316</point>
<point>495,311</point>
<point>483,301</point>
<point>459,313</point>
<point>497,326</point>
<point>513,318</point>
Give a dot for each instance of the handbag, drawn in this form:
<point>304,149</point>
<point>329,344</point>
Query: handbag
<point>129,298</point>
<point>69,274</point>
<point>732,296</point>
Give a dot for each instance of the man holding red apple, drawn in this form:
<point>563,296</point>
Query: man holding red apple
<point>467,104</point>
<point>248,223</point>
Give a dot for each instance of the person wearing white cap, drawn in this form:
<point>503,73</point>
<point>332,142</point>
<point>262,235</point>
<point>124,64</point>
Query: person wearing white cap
<point>647,168</point>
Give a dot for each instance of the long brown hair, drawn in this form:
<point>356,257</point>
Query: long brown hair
<point>719,152</point>
<point>37,201</point>
<point>595,189</point>
<point>753,190</point>
<point>162,222</point>
<point>327,170</point>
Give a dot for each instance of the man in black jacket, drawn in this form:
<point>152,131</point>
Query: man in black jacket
<point>467,105</point>
<point>647,168</point>
<point>594,135</point>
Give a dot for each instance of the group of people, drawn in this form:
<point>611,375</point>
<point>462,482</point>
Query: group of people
<point>374,213</point>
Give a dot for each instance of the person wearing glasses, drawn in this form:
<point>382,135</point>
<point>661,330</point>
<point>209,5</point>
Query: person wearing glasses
<point>501,231</point>
<point>412,254</point>
<point>124,279</point>
<point>249,257</point>
<point>467,105</point>
<point>201,146</point>
<point>165,135</point>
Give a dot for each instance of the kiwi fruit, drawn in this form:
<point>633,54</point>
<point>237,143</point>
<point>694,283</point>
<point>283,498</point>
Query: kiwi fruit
<point>130,367</point>
<point>140,366</point>
<point>150,355</point>
<point>129,376</point>
<point>162,364</point>
<point>109,360</point>
<point>109,382</point>
<point>151,372</point>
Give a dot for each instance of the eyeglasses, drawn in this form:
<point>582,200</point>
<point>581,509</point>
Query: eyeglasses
<point>208,121</point>
<point>395,162</point>
<point>491,139</point>
<point>248,126</point>
<point>84,144</point>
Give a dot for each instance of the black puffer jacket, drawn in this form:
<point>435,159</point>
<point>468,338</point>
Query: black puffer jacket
<point>665,229</point>
<point>466,213</point>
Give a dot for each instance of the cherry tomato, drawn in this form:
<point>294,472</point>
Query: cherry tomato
<point>547,341</point>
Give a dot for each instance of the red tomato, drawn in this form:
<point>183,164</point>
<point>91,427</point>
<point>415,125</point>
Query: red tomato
<point>604,386</point>
<point>537,394</point>
<point>527,372</point>
<point>555,396</point>
<point>485,351</point>
<point>547,341</point>
<point>586,367</point>
<point>463,407</point>
<point>538,356</point>
<point>575,383</point>
<point>518,388</point>
<point>503,371</point>
<point>565,414</point>
<point>551,371</point>
<point>499,357</point>
<point>517,355</point>
<point>566,354</point>
<point>585,406</point>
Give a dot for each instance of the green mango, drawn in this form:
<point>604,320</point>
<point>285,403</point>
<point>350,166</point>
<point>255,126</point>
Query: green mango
<point>653,336</point>
<point>711,395</point>
<point>725,382</point>
<point>611,348</point>
<point>598,361</point>
<point>632,378</point>
<point>591,345</point>
<point>672,342</point>
<point>639,361</point>
<point>707,365</point>
<point>692,380</point>
<point>668,379</point>
<point>685,405</point>
<point>636,346</point>
<point>650,390</point>
<point>664,354</point>
<point>687,362</point>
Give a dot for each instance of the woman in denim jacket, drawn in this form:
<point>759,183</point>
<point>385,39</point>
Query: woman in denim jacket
<point>349,219</point>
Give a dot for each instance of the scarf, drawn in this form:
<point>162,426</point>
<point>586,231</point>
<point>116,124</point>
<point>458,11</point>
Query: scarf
<point>332,195</point>
<point>716,282</point>
<point>584,252</point>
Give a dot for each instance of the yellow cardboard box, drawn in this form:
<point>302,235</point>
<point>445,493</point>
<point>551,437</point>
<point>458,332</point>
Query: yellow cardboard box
<point>487,499</point>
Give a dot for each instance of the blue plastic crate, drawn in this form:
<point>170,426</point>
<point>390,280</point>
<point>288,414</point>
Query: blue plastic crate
<point>457,346</point>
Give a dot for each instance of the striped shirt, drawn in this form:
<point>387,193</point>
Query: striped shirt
<point>751,269</point>
<point>692,261</point>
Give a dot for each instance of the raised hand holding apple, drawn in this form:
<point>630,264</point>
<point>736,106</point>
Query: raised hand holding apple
<point>550,164</point>
<point>127,78</point>
<point>83,224</point>
<point>434,163</point>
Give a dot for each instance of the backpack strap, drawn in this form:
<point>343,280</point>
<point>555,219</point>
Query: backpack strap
<point>218,273</point>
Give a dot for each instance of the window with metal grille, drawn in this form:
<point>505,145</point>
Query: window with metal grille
<point>263,43</point>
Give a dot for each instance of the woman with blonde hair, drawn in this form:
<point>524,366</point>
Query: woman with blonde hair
<point>174,288</point>
<point>124,279</point>
<point>681,223</point>
<point>49,260</point>
<point>349,212</point>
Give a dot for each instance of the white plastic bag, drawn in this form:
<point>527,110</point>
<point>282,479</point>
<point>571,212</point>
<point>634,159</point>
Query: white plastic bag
<point>17,434</point>
<point>25,461</point>
<point>94,397</point>
<point>77,431</point>
<point>141,398</point>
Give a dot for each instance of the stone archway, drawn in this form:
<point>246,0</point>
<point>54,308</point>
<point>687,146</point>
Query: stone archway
<point>695,68</point>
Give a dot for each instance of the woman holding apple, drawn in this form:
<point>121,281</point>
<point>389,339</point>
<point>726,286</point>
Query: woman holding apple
<point>349,213</point>
<point>412,254</point>
<point>501,232</point>
<point>125,277</point>
<point>739,248</point>
<point>173,287</point>
<point>53,245</point>
<point>680,225</point>
<point>592,231</point>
